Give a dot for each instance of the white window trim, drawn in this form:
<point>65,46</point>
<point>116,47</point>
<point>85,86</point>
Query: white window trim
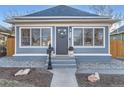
<point>93,37</point>
<point>20,46</point>
<point>15,39</point>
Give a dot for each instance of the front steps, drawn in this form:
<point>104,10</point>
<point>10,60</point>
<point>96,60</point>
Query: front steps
<point>62,61</point>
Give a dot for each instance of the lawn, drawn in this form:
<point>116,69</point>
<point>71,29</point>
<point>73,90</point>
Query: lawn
<point>36,78</point>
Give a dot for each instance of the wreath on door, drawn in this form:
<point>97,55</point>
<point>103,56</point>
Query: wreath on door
<point>62,33</point>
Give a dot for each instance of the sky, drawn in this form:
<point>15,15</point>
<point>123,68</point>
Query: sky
<point>25,9</point>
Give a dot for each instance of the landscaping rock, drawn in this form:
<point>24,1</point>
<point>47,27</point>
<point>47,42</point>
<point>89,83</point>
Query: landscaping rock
<point>22,72</point>
<point>94,77</point>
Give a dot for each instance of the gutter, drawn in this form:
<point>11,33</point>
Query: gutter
<point>97,17</point>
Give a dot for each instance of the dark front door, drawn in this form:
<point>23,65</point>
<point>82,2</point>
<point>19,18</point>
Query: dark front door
<point>61,40</point>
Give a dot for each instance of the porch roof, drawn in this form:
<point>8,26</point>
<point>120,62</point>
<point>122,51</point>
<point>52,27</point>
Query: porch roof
<point>118,30</point>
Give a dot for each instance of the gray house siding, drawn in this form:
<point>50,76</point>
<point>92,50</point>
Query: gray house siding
<point>76,50</point>
<point>93,58</point>
<point>81,58</point>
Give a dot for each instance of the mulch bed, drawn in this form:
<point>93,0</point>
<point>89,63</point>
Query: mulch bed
<point>36,77</point>
<point>106,80</point>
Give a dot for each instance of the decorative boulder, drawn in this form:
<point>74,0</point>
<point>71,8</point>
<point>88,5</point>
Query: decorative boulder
<point>22,72</point>
<point>94,77</point>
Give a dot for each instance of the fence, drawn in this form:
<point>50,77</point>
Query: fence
<point>10,45</point>
<point>117,48</point>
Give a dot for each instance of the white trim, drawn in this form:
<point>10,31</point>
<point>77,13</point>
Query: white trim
<point>55,39</point>
<point>110,21</point>
<point>82,54</point>
<point>93,36</point>
<point>15,40</point>
<point>109,41</point>
<point>62,24</point>
<point>64,17</point>
<point>76,54</point>
<point>30,55</point>
<point>20,46</point>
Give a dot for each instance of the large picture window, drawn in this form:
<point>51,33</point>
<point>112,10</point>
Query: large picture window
<point>88,36</point>
<point>34,37</point>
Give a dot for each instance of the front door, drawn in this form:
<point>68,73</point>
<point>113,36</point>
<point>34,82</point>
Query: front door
<point>61,40</point>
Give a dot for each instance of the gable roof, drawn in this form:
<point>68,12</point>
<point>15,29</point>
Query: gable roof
<point>61,10</point>
<point>118,30</point>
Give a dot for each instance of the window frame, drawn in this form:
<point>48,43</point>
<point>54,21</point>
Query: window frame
<point>103,46</point>
<point>20,45</point>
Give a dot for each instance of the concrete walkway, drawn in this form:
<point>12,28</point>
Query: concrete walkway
<point>64,77</point>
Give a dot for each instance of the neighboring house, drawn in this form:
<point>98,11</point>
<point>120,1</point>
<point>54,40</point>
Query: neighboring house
<point>4,33</point>
<point>118,34</point>
<point>63,26</point>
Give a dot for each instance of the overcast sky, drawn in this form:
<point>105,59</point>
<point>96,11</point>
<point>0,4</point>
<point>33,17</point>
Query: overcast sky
<point>21,9</point>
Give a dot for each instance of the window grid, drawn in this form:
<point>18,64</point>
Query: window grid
<point>30,29</point>
<point>92,34</point>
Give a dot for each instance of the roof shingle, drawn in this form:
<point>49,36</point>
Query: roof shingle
<point>61,10</point>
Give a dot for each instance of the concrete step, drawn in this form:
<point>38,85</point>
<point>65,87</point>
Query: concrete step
<point>63,58</point>
<point>63,65</point>
<point>62,61</point>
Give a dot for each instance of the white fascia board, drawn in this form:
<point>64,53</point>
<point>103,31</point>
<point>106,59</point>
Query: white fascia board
<point>65,20</point>
<point>63,17</point>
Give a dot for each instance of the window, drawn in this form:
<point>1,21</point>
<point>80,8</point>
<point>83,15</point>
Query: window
<point>35,36</point>
<point>78,36</point>
<point>88,36</point>
<point>98,36</point>
<point>45,36</point>
<point>25,37</point>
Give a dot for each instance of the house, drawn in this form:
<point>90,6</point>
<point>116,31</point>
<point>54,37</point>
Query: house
<point>4,33</point>
<point>118,34</point>
<point>63,26</point>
